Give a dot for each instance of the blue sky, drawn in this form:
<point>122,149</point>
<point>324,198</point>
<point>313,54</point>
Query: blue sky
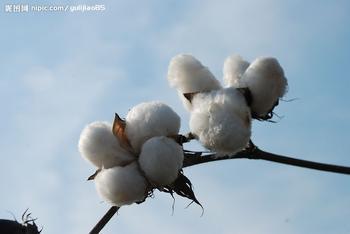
<point>61,70</point>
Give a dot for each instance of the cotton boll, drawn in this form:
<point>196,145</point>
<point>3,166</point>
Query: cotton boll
<point>98,145</point>
<point>150,119</point>
<point>121,185</point>
<point>234,67</point>
<point>221,120</point>
<point>161,159</point>
<point>188,75</point>
<point>265,79</point>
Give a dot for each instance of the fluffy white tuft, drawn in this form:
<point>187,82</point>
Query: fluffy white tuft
<point>98,145</point>
<point>121,185</point>
<point>221,120</point>
<point>161,159</point>
<point>265,79</point>
<point>150,119</point>
<point>234,67</point>
<point>188,75</point>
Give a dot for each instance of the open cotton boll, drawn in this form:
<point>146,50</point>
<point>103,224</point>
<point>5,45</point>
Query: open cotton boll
<point>234,67</point>
<point>221,120</point>
<point>161,159</point>
<point>121,185</point>
<point>150,119</point>
<point>98,145</point>
<point>188,75</point>
<point>265,79</point>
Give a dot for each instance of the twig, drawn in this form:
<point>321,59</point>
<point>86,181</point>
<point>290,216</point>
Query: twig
<point>104,220</point>
<point>252,152</point>
<point>256,153</point>
<point>259,154</point>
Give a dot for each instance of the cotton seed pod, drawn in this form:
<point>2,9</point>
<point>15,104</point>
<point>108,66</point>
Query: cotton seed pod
<point>99,146</point>
<point>150,119</point>
<point>265,79</point>
<point>161,159</point>
<point>188,75</point>
<point>221,120</point>
<point>234,67</point>
<point>121,185</point>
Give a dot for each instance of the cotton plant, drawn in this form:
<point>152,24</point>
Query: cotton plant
<point>136,155</point>
<point>143,152</point>
<point>220,118</point>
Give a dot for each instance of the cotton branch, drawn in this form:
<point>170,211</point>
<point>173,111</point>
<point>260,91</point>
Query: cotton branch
<point>104,220</point>
<point>253,152</point>
<point>192,158</point>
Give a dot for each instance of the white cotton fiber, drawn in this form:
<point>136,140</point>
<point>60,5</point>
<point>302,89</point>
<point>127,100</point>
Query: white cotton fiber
<point>161,159</point>
<point>188,75</point>
<point>121,185</point>
<point>150,119</point>
<point>221,120</point>
<point>234,67</point>
<point>98,145</point>
<point>265,79</point>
